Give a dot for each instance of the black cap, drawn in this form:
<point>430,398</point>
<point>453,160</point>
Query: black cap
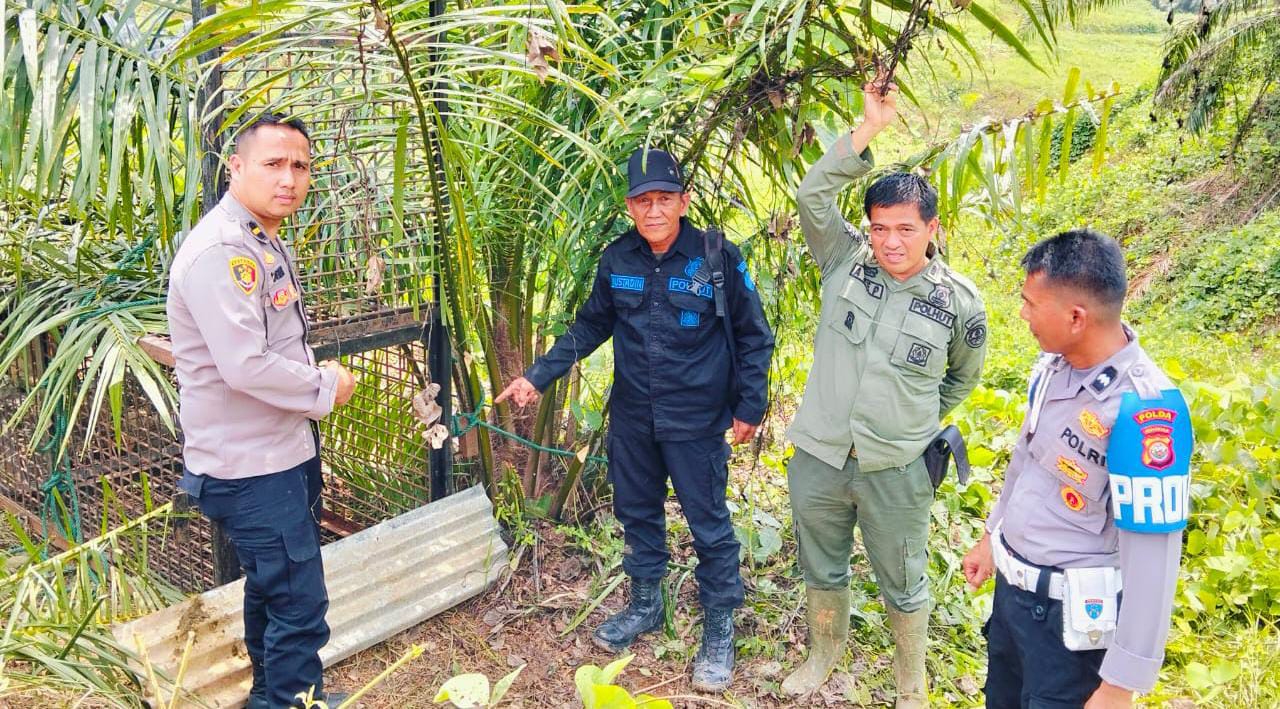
<point>654,170</point>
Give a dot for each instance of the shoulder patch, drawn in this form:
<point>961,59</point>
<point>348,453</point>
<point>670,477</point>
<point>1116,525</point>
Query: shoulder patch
<point>975,330</point>
<point>746,275</point>
<point>1104,379</point>
<point>244,273</point>
<point>1149,457</point>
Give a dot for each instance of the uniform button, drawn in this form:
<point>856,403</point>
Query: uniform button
<point>1139,370</point>
<point>657,269</point>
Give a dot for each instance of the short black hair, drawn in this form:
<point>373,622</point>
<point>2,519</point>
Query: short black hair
<point>902,188</point>
<point>1084,259</point>
<point>269,119</point>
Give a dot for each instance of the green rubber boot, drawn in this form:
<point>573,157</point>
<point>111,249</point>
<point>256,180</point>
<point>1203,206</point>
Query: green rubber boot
<point>910,636</point>
<point>828,616</point>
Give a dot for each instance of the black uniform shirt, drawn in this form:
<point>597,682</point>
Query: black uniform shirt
<point>672,365</point>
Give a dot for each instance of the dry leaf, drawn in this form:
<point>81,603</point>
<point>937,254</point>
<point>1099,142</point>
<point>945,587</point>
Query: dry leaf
<point>733,20</point>
<point>373,275</point>
<point>803,137</point>
<point>380,19</point>
<point>780,225</point>
<point>541,47</point>
<point>436,436</point>
<point>776,97</point>
<point>425,408</point>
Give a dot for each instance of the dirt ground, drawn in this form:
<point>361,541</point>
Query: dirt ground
<point>525,620</point>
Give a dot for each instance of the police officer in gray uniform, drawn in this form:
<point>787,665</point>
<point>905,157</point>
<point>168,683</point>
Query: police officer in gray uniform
<point>250,390</point>
<point>1085,538</point>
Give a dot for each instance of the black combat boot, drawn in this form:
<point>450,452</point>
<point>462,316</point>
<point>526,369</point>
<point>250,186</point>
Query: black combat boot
<point>643,615</point>
<point>258,693</point>
<point>713,665</point>
<point>332,699</point>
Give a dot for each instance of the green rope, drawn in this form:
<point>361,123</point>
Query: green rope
<point>60,484</point>
<point>464,422</point>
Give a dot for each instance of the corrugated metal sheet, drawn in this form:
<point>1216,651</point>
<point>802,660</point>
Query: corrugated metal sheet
<point>381,581</point>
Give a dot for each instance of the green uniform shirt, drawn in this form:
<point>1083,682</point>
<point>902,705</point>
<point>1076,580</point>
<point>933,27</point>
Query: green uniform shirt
<point>890,357</point>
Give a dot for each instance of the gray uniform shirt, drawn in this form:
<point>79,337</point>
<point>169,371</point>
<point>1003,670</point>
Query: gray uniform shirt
<point>1055,506</point>
<point>248,382</point>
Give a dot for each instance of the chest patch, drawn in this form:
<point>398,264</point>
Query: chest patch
<point>278,273</point>
<point>919,354</point>
<point>848,320</point>
<point>684,285</point>
<point>933,312</point>
<point>1092,425</point>
<point>940,296</point>
<point>866,276</point>
<point>631,283</point>
<point>689,318</point>
<point>1072,499</point>
<point>1072,469</point>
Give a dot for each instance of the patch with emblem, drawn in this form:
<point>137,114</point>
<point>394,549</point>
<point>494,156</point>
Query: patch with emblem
<point>267,258</point>
<point>975,331</point>
<point>848,320</point>
<point>933,312</point>
<point>692,267</point>
<point>919,354</point>
<point>1072,498</point>
<point>1103,380</point>
<point>1149,451</point>
<point>689,318</point>
<point>1092,425</point>
<point>940,296</point>
<point>746,277</point>
<point>244,273</point>
<point>1072,469</point>
<point>1093,607</point>
<point>280,298</point>
<point>1157,446</point>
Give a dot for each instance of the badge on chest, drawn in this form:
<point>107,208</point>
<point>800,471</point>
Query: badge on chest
<point>284,295</point>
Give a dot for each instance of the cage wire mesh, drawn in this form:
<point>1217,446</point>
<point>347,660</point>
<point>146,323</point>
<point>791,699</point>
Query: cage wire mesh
<point>363,243</point>
<point>119,479</point>
<point>363,237</point>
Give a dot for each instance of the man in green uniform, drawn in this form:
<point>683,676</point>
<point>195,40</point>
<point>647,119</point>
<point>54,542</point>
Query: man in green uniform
<point>900,341</point>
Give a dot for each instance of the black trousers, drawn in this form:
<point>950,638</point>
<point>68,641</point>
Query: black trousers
<point>273,521</point>
<point>1028,665</point>
<point>639,468</point>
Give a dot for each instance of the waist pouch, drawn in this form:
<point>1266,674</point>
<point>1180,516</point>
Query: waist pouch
<point>1090,607</point>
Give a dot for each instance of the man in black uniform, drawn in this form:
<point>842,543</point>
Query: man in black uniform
<point>682,375</point>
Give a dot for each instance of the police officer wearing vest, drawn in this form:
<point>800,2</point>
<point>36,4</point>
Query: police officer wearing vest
<point>1094,500</point>
<point>250,391</point>
<point>682,376</point>
<point>900,342</point>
